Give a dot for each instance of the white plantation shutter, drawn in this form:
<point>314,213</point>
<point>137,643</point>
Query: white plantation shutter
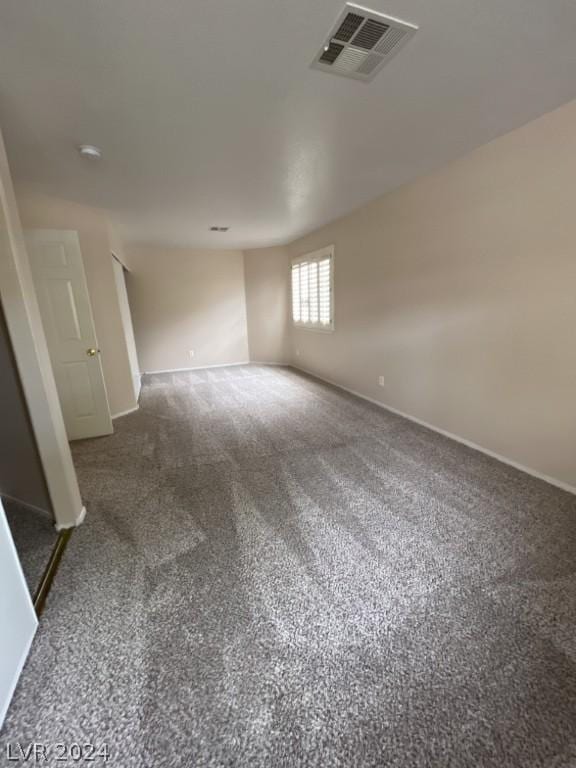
<point>312,290</point>
<point>304,296</point>
<point>325,292</point>
<point>296,293</point>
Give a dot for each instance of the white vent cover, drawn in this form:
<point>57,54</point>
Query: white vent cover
<point>361,42</point>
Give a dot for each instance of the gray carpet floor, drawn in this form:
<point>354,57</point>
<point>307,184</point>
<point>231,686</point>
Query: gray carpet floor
<point>275,573</point>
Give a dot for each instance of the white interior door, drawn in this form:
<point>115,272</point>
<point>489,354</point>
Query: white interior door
<point>18,620</point>
<point>58,272</point>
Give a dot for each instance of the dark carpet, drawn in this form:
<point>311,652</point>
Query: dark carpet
<point>275,573</point>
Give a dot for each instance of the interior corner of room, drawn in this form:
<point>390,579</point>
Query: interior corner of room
<point>287,391</point>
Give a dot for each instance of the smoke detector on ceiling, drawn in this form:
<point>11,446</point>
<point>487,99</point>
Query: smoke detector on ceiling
<point>361,42</point>
<point>90,151</point>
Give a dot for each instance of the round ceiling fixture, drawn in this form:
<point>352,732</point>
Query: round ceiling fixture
<point>90,151</point>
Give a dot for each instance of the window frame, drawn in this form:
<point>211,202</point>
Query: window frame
<point>315,256</point>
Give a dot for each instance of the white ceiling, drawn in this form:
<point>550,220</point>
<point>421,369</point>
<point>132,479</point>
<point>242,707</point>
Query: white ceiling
<point>209,113</point>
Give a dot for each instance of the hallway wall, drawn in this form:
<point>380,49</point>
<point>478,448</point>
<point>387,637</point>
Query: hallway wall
<point>121,277</point>
<point>185,299</point>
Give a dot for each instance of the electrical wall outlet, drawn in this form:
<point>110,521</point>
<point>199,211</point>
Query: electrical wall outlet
<point>191,353</point>
<point>380,381</point>
<point>297,352</point>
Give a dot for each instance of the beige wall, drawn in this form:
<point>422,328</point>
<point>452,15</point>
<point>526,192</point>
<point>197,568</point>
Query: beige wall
<point>184,300</point>
<point>267,303</point>
<point>460,289</point>
<point>96,241</point>
<point>126,314</point>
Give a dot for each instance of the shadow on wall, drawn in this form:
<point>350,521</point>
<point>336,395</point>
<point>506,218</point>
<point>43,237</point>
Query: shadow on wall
<point>21,472</point>
<point>189,307</point>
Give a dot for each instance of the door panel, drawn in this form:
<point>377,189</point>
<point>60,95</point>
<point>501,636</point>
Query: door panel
<point>17,617</point>
<point>80,389</point>
<point>60,297</point>
<point>54,255</point>
<point>60,281</point>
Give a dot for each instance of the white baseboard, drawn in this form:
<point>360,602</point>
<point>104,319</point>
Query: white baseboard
<point>196,368</point>
<point>528,470</point>
<point>266,362</point>
<point>79,521</point>
<point>125,413</point>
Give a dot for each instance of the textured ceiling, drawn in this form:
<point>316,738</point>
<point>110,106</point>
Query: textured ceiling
<point>209,114</point>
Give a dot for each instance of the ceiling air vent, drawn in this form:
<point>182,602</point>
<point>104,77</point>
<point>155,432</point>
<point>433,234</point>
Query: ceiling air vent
<point>361,42</point>
<point>331,53</point>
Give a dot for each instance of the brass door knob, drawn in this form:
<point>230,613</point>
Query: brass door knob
<point>92,352</point>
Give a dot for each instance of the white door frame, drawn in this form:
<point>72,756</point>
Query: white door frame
<point>31,352</point>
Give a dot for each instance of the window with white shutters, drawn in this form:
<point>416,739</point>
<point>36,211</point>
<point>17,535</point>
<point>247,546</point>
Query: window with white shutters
<point>313,290</point>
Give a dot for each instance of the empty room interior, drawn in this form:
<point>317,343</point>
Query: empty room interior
<point>288,383</point>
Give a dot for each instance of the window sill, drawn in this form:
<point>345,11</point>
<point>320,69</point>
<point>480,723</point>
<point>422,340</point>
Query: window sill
<point>313,328</point>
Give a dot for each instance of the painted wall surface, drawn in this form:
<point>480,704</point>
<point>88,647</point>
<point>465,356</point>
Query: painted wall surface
<point>94,230</point>
<point>267,304</point>
<point>184,300</point>
<point>460,288</point>
<point>21,471</point>
<point>120,275</point>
